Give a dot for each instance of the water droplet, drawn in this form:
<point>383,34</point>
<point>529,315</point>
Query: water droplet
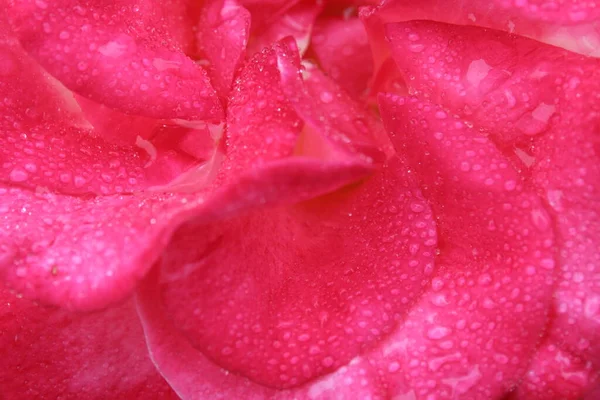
<point>540,219</point>
<point>18,175</point>
<point>440,115</point>
<point>510,185</point>
<point>417,207</point>
<point>326,97</point>
<point>327,362</point>
<point>438,332</point>
<point>477,72</point>
<point>304,337</point>
<point>416,48</point>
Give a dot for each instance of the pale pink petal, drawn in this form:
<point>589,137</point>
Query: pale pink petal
<point>50,354</point>
<point>117,54</point>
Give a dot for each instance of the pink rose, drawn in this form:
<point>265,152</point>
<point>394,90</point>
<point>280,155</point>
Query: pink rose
<point>275,199</point>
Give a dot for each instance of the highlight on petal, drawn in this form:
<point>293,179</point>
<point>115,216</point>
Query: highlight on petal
<point>475,330</point>
<point>223,32</point>
<point>288,294</point>
<point>48,353</point>
<point>116,54</point>
<point>342,48</point>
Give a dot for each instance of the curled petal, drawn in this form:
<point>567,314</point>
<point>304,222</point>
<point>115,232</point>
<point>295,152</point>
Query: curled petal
<point>556,374</point>
<point>292,128</point>
<point>299,290</point>
<point>223,33</point>
<point>504,83</point>
<point>116,54</point>
<point>84,249</point>
<point>556,22</point>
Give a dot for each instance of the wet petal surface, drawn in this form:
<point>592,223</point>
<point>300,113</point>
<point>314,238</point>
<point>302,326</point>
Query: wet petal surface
<point>117,54</point>
<point>49,353</point>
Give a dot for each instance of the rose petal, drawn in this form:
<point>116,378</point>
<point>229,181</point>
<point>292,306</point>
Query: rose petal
<point>265,12</point>
<point>116,54</point>
<point>297,21</point>
<point>505,83</point>
<point>84,252</point>
<point>556,24</point>
<point>48,353</point>
<point>554,374</point>
<point>342,48</point>
<point>355,122</point>
<point>377,239</point>
<point>473,333</point>
<point>551,135</point>
<point>567,173</point>
<point>223,33</point>
<point>293,127</point>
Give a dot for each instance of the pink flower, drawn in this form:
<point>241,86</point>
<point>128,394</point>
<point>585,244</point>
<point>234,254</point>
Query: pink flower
<point>274,199</point>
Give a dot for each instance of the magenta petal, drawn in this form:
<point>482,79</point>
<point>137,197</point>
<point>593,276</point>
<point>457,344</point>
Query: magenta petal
<point>290,132</point>
<point>555,22</point>
<point>265,12</point>
<point>118,55</point>
<point>567,171</point>
<point>297,22</point>
<point>51,354</point>
<point>63,244</point>
<point>223,33</point>
<point>490,298</point>
<point>539,103</point>
<point>505,83</point>
<point>556,374</point>
<point>342,48</point>
<point>272,288</point>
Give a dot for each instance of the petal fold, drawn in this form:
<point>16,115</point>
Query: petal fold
<point>117,54</point>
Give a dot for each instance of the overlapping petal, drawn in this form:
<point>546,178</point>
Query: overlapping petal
<point>539,105</point>
<point>298,291</point>
<point>48,353</point>
<point>342,49</point>
<point>469,336</point>
<point>297,21</point>
<point>223,32</point>
<point>85,249</point>
<point>119,54</point>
